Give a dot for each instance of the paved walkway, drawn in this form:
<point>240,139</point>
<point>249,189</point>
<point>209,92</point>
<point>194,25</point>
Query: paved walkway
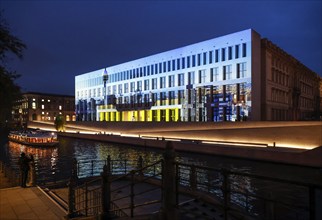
<point>28,203</point>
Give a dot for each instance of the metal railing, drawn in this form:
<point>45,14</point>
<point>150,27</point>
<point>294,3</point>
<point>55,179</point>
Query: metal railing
<point>232,193</point>
<point>13,178</point>
<point>249,194</point>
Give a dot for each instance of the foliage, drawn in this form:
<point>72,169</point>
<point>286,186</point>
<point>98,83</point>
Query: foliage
<point>9,90</point>
<point>60,123</point>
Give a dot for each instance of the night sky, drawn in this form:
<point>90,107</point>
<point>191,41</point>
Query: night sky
<point>68,38</point>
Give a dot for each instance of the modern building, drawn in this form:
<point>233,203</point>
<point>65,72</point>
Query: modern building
<point>36,106</point>
<point>235,77</point>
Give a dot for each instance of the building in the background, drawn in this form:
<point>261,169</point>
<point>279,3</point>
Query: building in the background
<point>36,106</point>
<point>230,78</point>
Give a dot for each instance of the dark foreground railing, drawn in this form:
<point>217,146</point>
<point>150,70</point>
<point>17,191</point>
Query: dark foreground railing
<point>232,193</point>
<point>11,175</point>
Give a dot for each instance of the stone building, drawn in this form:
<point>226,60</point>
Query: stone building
<point>36,106</point>
<point>239,76</point>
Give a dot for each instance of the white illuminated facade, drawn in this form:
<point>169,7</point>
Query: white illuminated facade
<point>215,80</point>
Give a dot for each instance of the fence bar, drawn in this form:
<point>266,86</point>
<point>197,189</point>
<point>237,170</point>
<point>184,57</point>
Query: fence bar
<point>169,209</point>
<point>132,194</point>
<point>106,193</point>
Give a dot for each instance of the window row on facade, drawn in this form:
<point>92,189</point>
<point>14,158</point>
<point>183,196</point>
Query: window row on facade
<point>202,76</point>
<point>218,55</point>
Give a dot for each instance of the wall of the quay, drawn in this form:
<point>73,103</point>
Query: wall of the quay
<point>290,134</point>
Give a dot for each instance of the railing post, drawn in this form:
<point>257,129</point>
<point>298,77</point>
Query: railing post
<point>226,192</point>
<point>108,164</point>
<point>193,178</point>
<point>168,208</point>
<point>106,193</point>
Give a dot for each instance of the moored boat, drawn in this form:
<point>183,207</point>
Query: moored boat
<point>34,138</point>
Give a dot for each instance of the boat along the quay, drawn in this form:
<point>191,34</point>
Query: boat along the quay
<point>34,138</point>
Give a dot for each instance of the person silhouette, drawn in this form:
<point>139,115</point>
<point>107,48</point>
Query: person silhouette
<point>24,168</point>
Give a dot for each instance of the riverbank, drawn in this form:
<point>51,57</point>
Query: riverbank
<point>248,140</point>
<point>312,158</point>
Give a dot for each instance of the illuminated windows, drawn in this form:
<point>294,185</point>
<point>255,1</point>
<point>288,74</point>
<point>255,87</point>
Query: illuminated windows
<point>162,82</point>
<point>244,50</point>
<point>33,105</point>
<point>60,107</point>
<point>181,79</point>
<point>171,81</point>
<point>42,106</point>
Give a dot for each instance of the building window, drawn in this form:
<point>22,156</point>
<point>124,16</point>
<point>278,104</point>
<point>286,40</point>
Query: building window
<point>210,56</point>
<point>173,65</point>
<point>228,72</point>
<point>204,58</point>
<point>202,76</point>
<point>33,105</point>
<point>181,79</point>
<point>120,89</point>
<point>164,67</point>
<point>171,81</point>
<point>139,85</point>
<point>214,74</point>
<point>60,107</point>
<point>244,50</point>
<point>191,78</point>
<point>162,82</point>
<point>199,59</point>
<point>146,84</point>
<point>178,64</point>
<point>193,60</point>
<point>236,51</point>
<point>241,70</point>
<point>230,53</point>
<point>163,98</point>
<point>180,96</point>
<point>126,87</point>
<point>183,62</point>
<point>42,106</point>
<point>171,98</point>
<point>223,54</point>
<point>169,66</point>
<point>132,89</point>
<point>217,56</point>
<point>154,83</point>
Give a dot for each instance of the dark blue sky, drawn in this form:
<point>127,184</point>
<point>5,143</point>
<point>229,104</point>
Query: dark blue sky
<point>68,38</point>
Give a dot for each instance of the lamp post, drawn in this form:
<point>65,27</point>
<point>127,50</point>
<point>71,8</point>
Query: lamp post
<point>105,78</point>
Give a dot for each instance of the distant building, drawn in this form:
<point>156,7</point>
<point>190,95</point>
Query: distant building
<point>235,77</point>
<point>36,106</point>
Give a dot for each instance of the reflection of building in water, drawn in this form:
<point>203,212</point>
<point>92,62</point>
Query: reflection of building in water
<point>239,76</point>
<point>43,107</point>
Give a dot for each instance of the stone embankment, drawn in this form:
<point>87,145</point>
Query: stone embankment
<point>284,142</point>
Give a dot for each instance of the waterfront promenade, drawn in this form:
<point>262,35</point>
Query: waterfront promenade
<point>26,203</point>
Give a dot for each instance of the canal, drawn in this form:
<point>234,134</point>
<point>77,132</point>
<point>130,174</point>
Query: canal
<point>54,164</point>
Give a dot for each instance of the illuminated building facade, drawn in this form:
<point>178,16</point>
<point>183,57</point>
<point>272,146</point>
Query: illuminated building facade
<point>228,78</point>
<point>36,106</point>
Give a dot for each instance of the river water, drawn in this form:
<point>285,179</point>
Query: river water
<point>54,164</point>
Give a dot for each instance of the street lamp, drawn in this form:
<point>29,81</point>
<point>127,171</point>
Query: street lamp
<point>105,78</point>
